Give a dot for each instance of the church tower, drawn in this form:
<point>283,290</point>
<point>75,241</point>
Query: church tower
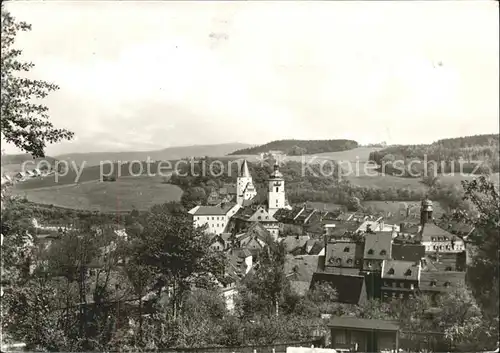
<point>245,190</point>
<point>426,212</point>
<point>276,191</point>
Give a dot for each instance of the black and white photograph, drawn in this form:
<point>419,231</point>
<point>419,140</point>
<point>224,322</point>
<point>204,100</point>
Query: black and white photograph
<point>250,176</point>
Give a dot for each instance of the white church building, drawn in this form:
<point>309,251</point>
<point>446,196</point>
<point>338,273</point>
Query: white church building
<point>246,191</point>
<point>216,218</point>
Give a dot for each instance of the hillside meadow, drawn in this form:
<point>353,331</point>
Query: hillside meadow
<point>124,194</point>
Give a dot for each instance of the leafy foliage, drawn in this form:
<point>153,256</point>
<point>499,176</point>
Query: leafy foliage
<point>24,121</point>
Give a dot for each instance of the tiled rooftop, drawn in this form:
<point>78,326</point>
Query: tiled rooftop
<point>408,252</point>
<point>403,270</point>
<point>437,281</point>
<point>214,210</point>
<point>378,246</point>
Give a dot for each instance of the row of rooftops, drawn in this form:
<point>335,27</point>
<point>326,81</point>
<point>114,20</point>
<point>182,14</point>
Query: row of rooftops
<point>305,271</point>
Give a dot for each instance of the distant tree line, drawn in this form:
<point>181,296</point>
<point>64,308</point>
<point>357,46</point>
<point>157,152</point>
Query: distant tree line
<point>312,186</point>
<point>300,147</point>
<point>462,154</point>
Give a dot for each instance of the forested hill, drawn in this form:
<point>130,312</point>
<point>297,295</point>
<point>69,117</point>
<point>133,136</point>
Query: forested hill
<point>469,141</point>
<point>24,157</point>
<point>299,147</point>
<point>471,149</point>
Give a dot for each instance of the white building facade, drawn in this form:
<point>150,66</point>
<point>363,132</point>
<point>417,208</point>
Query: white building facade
<point>215,218</point>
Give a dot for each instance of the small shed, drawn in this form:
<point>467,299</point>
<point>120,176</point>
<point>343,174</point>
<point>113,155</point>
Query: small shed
<point>364,335</point>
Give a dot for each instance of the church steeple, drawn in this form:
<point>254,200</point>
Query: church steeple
<point>244,172</point>
<point>245,189</point>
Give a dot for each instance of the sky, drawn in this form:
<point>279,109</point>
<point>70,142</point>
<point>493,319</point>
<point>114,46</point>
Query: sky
<point>150,75</point>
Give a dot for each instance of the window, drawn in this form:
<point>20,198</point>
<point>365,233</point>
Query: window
<point>383,252</point>
<point>370,252</point>
<point>349,261</point>
<point>412,286</point>
<point>433,239</point>
<point>346,249</point>
<point>340,337</point>
<point>448,268</point>
<point>391,271</point>
<point>259,217</point>
<point>446,284</point>
<point>408,272</point>
<point>338,261</point>
<point>433,283</point>
<point>369,263</point>
<point>277,189</point>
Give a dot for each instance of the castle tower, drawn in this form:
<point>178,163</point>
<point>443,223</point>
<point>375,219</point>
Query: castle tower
<point>245,190</point>
<point>276,191</point>
<point>425,212</point>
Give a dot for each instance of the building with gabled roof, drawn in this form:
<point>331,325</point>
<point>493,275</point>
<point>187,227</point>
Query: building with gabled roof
<point>213,198</point>
<point>438,282</point>
<point>408,252</point>
<point>310,247</point>
<point>214,218</point>
<point>434,238</point>
<point>256,213</point>
<point>293,242</point>
<point>300,270</point>
<point>351,289</point>
<point>255,238</point>
<point>378,247</point>
<point>400,279</point>
<point>221,241</point>
<point>344,257</point>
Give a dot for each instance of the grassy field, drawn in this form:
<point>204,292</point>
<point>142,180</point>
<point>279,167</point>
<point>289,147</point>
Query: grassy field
<point>124,194</point>
<point>360,154</point>
<point>367,177</point>
<point>386,181</point>
<point>75,175</point>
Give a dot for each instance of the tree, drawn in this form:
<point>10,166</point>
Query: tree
<point>24,121</point>
<point>482,274</point>
<point>269,282</point>
<point>178,254</point>
<point>353,204</point>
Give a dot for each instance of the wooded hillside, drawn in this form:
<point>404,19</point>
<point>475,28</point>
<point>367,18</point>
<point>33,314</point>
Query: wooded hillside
<point>469,151</point>
<point>299,147</point>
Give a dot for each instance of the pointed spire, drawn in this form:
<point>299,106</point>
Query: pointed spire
<point>244,172</point>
